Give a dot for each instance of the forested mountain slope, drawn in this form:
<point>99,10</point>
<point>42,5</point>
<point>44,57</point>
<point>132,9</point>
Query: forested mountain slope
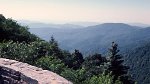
<point>139,59</point>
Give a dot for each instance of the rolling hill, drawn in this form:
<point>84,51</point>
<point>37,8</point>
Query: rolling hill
<point>94,38</point>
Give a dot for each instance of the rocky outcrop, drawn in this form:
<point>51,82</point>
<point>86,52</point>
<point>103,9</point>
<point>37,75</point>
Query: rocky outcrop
<point>14,72</point>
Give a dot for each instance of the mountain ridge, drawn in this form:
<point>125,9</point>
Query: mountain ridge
<point>98,35</point>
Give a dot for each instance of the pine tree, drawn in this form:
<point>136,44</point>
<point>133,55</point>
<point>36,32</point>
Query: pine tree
<point>77,59</point>
<point>116,66</point>
<point>52,41</point>
<point>2,18</point>
<point>55,50</point>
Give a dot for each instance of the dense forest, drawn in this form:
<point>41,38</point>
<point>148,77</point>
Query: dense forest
<point>139,57</point>
<point>17,43</point>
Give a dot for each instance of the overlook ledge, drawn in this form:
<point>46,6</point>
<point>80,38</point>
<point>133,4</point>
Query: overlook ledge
<point>14,72</point>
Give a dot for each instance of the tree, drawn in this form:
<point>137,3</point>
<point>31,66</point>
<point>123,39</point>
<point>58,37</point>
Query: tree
<point>2,18</point>
<point>11,30</point>
<point>94,60</point>
<point>94,64</point>
<point>52,41</point>
<point>116,66</point>
<point>77,59</point>
<point>54,49</point>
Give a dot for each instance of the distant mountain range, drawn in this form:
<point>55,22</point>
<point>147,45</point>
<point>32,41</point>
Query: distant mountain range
<point>139,24</point>
<point>133,42</point>
<point>96,38</point>
<point>33,24</point>
<point>36,24</point>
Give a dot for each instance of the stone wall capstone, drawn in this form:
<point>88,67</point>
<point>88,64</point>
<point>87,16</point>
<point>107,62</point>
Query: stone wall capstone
<point>14,72</point>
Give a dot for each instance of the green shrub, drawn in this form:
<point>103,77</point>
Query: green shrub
<point>102,79</point>
<point>51,64</point>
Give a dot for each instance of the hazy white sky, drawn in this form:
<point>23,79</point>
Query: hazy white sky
<point>77,10</point>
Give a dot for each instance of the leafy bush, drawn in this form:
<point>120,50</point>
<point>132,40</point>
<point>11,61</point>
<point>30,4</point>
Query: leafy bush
<point>26,52</point>
<point>51,64</point>
<point>102,79</point>
<point>76,76</point>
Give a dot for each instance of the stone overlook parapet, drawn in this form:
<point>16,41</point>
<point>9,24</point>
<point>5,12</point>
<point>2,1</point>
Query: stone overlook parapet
<point>14,72</point>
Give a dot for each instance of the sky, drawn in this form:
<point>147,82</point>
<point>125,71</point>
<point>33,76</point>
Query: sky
<point>134,11</point>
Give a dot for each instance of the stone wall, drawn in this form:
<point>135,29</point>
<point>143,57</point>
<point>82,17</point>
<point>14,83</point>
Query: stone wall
<point>14,72</point>
<point>10,76</point>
